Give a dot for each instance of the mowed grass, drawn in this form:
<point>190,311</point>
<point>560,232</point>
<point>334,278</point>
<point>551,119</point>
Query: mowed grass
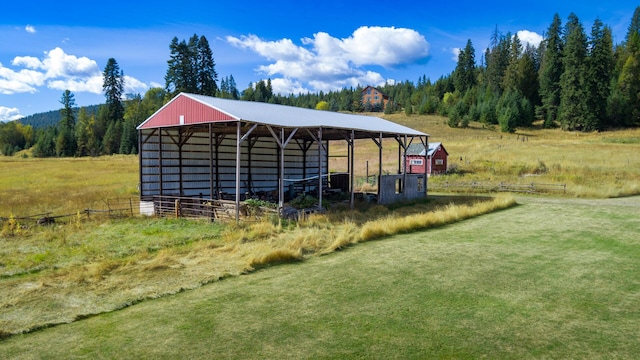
<point>551,278</point>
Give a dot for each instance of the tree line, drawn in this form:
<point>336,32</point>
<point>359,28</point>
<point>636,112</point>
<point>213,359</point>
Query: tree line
<point>570,80</point>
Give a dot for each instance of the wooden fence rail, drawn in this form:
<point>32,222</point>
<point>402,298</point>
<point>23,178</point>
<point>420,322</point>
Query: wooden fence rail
<point>212,209</point>
<point>476,186</point>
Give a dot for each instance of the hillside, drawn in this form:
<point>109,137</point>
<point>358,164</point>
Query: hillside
<point>51,118</point>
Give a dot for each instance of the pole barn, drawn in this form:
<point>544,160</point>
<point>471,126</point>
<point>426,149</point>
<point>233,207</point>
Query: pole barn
<point>211,148</point>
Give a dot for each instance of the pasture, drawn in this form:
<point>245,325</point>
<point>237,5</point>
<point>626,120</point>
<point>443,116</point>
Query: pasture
<point>550,278</point>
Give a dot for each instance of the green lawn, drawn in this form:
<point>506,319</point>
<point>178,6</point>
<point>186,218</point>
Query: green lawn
<point>551,278</point>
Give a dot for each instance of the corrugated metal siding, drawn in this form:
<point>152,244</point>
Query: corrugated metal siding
<point>191,111</point>
<point>191,176</point>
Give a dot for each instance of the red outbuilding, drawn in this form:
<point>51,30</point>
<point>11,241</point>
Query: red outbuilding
<point>436,159</point>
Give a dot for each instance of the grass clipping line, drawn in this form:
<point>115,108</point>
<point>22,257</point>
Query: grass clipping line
<point>451,213</point>
<point>317,236</point>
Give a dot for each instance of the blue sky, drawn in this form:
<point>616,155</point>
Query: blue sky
<point>48,47</point>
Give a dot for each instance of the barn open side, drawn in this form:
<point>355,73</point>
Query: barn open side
<point>209,149</point>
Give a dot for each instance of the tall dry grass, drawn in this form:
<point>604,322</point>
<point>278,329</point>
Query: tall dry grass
<point>598,164</point>
<point>64,185</point>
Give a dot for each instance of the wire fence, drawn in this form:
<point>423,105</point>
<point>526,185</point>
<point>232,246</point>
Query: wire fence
<point>112,208</point>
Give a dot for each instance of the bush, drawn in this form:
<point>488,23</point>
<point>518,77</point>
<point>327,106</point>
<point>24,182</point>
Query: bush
<point>304,201</point>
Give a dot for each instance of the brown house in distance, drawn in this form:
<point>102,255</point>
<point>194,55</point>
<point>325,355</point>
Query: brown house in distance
<point>374,97</point>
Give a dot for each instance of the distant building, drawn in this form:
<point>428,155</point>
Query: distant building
<point>374,96</point>
<point>436,159</point>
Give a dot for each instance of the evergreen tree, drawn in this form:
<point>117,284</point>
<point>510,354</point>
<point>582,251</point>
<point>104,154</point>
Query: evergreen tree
<point>511,79</point>
<point>85,134</point>
<point>528,68</point>
<point>206,74</point>
<point>66,113</point>
<point>65,141</point>
<point>111,140</point>
<point>465,72</point>
<point>573,107</point>
<point>113,113</point>
<point>497,60</point>
<point>551,69</point>
<point>45,145</point>
<point>598,75</point>
<point>180,76</point>
<point>191,68</point>
<point>624,104</point>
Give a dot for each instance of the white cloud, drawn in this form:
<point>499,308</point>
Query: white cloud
<point>529,37</point>
<point>30,29</point>
<point>9,114</point>
<point>60,71</point>
<point>91,84</point>
<point>328,63</point>
<point>132,85</point>
<point>456,54</point>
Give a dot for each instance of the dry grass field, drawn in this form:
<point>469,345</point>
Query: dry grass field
<point>592,165</point>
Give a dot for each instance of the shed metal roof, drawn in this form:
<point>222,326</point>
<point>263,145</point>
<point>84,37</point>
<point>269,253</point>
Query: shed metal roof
<point>418,149</point>
<point>288,116</point>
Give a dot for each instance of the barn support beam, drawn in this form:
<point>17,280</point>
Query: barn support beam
<point>210,160</point>
<point>349,138</point>
<point>239,140</point>
<point>352,170</point>
<point>378,142</point>
<point>160,164</point>
<point>321,147</point>
<point>282,144</point>
<point>425,142</point>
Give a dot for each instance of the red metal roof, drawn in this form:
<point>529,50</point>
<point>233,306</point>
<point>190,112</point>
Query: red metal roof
<point>187,109</point>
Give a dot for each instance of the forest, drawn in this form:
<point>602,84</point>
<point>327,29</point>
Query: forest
<point>576,80</point>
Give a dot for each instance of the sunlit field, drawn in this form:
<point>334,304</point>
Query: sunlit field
<point>599,165</point>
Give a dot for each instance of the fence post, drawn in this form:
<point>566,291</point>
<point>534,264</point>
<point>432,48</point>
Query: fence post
<point>177,208</point>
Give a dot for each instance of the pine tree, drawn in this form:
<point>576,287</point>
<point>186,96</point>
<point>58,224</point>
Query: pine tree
<point>65,141</point>
<point>180,68</point>
<point>113,87</point>
<point>206,74</point>
<point>598,75</point>
<point>191,68</point>
<point>573,107</point>
<point>465,72</point>
<point>511,79</point>
<point>497,60</point>
<point>66,113</point>
<point>551,69</point>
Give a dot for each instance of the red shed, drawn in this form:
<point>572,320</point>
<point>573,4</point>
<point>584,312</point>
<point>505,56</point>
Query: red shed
<point>436,159</point>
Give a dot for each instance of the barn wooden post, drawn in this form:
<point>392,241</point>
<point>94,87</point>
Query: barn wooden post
<point>351,170</point>
<point>425,143</point>
<point>379,167</point>
<point>320,148</point>
<point>281,182</point>
<point>238,171</point>
<point>404,168</point>
<point>160,165</point>
<point>210,161</point>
